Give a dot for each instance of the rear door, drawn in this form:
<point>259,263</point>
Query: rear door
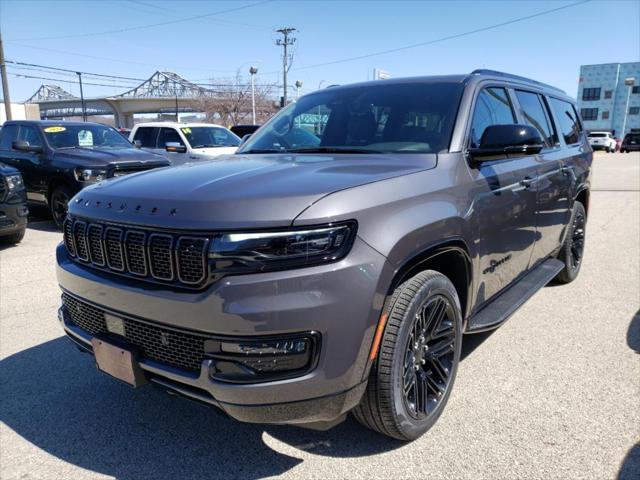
<point>504,200</point>
<point>553,177</point>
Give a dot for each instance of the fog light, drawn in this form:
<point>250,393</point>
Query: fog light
<point>264,359</point>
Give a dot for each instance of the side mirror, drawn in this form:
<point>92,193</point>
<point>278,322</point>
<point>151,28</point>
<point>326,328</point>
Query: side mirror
<point>137,143</point>
<point>23,146</point>
<point>506,141</point>
<point>244,139</point>
<point>175,147</point>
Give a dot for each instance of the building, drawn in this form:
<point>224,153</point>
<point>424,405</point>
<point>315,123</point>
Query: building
<point>20,111</point>
<point>605,97</point>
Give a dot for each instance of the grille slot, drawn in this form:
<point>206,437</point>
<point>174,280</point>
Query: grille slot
<point>140,252</point>
<point>67,231</point>
<point>160,256</point>
<point>172,347</point>
<point>96,251</point>
<point>191,259</point>
<point>113,244</point>
<point>80,239</point>
<point>134,246</point>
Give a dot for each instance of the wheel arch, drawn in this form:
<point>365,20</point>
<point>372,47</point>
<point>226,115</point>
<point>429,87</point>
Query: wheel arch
<point>582,195</point>
<point>55,182</point>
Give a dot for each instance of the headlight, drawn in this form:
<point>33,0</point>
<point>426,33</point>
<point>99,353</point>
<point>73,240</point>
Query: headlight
<point>90,175</point>
<point>14,182</point>
<point>266,251</point>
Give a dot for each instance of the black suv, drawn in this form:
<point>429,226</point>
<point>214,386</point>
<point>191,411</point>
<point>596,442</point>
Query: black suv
<point>58,159</point>
<point>13,205</point>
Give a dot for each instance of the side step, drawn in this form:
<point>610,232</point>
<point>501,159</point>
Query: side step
<point>505,305</point>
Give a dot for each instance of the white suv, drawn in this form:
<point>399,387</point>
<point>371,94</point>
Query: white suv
<point>185,142</point>
<point>602,141</point>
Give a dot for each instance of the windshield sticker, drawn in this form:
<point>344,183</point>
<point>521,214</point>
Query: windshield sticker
<point>54,129</point>
<point>186,130</point>
<point>85,138</point>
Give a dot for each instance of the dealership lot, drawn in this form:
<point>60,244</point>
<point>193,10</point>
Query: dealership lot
<point>552,394</point>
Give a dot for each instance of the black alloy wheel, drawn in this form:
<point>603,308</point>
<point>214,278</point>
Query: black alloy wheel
<point>572,250</point>
<point>59,201</point>
<point>577,239</point>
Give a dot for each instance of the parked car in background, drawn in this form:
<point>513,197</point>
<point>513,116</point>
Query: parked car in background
<point>185,142</point>
<point>13,205</point>
<point>334,262</point>
<point>58,159</point>
<point>242,130</point>
<point>125,132</point>
<point>602,141</point>
<point>631,143</point>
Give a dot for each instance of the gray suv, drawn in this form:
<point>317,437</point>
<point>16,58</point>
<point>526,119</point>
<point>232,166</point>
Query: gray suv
<point>334,263</point>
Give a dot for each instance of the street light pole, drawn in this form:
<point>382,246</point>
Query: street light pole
<point>298,87</point>
<point>253,71</point>
<point>176,107</point>
<point>629,82</point>
<point>84,110</point>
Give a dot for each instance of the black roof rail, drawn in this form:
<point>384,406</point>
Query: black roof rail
<point>496,73</point>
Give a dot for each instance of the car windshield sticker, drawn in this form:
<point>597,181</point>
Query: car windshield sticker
<point>85,138</point>
<point>54,129</point>
<point>186,130</point>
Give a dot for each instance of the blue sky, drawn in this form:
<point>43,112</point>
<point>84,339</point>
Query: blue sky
<point>549,48</point>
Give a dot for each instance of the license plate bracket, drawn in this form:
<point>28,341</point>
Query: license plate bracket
<point>118,360</point>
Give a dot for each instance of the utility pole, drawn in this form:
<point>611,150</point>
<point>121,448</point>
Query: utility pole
<point>5,83</point>
<point>284,42</point>
<point>253,71</point>
<point>84,110</point>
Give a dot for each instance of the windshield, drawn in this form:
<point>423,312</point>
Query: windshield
<point>84,136</point>
<point>384,118</point>
<point>597,135</point>
<point>207,137</point>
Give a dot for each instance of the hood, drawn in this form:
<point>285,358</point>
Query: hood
<point>239,191</point>
<point>7,169</point>
<point>215,151</point>
<point>106,156</point>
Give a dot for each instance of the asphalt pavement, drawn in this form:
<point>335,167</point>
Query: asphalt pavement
<point>554,393</point>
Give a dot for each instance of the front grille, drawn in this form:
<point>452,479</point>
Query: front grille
<point>171,347</point>
<point>139,252</point>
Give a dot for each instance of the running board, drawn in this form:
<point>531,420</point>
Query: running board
<point>506,304</point>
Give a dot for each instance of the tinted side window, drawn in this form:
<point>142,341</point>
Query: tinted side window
<point>147,136</point>
<point>568,122</point>
<point>492,108</point>
<point>8,134</point>
<point>31,135</point>
<point>168,135</point>
<point>536,114</point>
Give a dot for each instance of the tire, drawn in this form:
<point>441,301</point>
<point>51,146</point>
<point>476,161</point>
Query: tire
<point>14,237</point>
<point>607,149</point>
<point>572,251</point>
<point>58,201</point>
<point>424,363</point>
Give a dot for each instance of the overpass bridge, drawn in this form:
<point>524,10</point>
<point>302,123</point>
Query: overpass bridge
<point>163,92</point>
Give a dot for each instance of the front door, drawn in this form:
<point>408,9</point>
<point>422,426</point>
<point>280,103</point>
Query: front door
<point>504,202</point>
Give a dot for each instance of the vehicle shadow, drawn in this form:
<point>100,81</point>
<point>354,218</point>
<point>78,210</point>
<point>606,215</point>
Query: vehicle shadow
<point>43,225</point>
<point>633,333</point>
<point>54,398</point>
<point>630,468</point>
<point>472,341</point>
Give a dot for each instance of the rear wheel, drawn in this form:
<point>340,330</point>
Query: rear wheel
<point>572,249</point>
<point>14,237</point>
<point>58,203</point>
<point>412,376</point>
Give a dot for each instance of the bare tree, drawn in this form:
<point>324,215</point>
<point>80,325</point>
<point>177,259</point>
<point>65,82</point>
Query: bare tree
<point>229,101</point>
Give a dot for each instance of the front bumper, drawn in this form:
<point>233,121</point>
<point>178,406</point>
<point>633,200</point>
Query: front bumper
<point>13,217</point>
<point>340,301</point>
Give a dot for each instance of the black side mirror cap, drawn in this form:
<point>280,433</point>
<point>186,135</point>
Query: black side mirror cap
<point>23,146</point>
<point>505,141</point>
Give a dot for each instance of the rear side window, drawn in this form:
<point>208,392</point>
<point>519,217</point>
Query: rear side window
<point>147,136</point>
<point>168,135</point>
<point>536,114</point>
<point>8,134</point>
<point>492,108</point>
<point>568,122</point>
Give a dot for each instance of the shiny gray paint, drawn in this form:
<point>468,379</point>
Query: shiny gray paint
<point>405,205</point>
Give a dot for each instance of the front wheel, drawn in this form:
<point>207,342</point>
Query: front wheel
<point>14,237</point>
<point>572,249</point>
<point>413,374</point>
<point>58,203</point>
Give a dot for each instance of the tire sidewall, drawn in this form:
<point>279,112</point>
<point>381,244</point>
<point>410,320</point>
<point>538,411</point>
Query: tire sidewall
<point>571,272</point>
<point>406,424</point>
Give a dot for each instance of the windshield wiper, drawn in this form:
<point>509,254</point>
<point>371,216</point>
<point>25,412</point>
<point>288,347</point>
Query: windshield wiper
<point>331,150</point>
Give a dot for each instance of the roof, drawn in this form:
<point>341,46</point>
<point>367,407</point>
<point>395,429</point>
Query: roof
<point>55,122</point>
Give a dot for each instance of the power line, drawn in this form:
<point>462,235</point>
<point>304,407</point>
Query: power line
<point>150,25</point>
<point>118,77</point>
<point>63,80</point>
<point>442,39</point>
